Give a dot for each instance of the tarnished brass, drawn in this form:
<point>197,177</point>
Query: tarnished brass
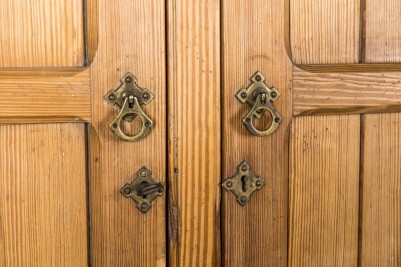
<point>243,183</point>
<point>129,97</point>
<point>143,189</point>
<point>260,97</point>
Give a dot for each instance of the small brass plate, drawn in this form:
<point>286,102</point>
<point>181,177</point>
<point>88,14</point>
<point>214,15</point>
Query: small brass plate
<point>143,179</point>
<point>261,98</point>
<point>129,97</point>
<point>243,183</point>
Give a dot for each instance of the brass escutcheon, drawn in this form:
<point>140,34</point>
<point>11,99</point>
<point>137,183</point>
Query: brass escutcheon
<point>129,97</point>
<point>243,183</point>
<point>260,97</point>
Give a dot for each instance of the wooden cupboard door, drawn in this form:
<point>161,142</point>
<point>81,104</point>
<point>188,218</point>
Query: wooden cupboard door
<point>332,192</point>
<point>345,203</point>
<point>45,102</point>
<point>61,168</point>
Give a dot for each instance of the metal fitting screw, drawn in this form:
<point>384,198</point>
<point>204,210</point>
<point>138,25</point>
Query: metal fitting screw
<point>127,191</point>
<point>258,78</point>
<point>244,167</point>
<point>128,79</point>
<point>146,95</point>
<point>259,183</point>
<point>112,97</point>
<point>229,184</point>
<point>144,206</point>
<point>244,199</point>
<point>273,94</point>
<point>244,95</point>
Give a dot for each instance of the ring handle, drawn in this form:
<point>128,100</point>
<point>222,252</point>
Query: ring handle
<point>147,123</point>
<point>255,112</point>
<point>260,97</point>
<point>129,96</point>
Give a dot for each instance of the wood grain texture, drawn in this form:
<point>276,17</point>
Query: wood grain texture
<point>351,67</point>
<point>43,195</point>
<point>92,29</point>
<point>381,195</point>
<point>121,234</point>
<point>41,33</point>
<point>324,185</point>
<point>194,132</point>
<point>382,34</point>
<point>34,95</point>
<point>340,92</point>
<point>253,40</point>
<point>323,32</point>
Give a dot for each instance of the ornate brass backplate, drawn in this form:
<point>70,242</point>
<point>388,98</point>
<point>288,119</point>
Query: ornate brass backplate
<point>129,97</point>
<point>243,183</point>
<point>143,189</point>
<point>260,97</point>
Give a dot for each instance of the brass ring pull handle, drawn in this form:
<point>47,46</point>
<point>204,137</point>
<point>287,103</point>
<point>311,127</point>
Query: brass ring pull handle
<point>129,96</point>
<point>260,97</point>
<point>262,103</point>
<point>131,107</point>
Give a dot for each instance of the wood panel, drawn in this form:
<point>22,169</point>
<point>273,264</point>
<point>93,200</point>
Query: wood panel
<point>121,234</point>
<point>194,132</point>
<point>382,35</point>
<point>339,92</point>
<point>41,33</point>
<point>255,235</point>
<point>323,32</point>
<point>324,185</point>
<point>381,195</point>
<point>28,95</point>
<point>43,195</point>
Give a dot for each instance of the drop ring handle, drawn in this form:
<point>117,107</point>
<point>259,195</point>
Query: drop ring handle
<point>262,103</point>
<point>131,107</point>
<point>260,97</point>
<point>129,96</point>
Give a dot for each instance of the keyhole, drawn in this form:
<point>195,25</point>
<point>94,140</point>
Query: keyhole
<point>243,181</point>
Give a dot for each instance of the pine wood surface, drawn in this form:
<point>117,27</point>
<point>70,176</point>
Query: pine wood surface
<point>43,195</point>
<point>382,35</point>
<point>41,33</point>
<point>194,132</point>
<point>253,40</point>
<point>40,95</point>
<point>381,195</point>
<point>324,32</point>
<point>324,186</point>
<point>339,92</point>
<point>131,39</point>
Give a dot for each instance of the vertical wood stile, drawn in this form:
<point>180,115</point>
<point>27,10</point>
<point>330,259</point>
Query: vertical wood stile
<point>131,39</point>
<point>254,33</point>
<point>194,132</point>
<point>380,241</point>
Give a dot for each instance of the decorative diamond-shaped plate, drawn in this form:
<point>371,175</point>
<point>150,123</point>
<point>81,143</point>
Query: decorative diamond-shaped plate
<point>142,179</point>
<point>243,183</point>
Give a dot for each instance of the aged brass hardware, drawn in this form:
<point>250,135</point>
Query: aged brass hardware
<point>129,97</point>
<point>143,189</point>
<point>243,183</point>
<point>260,97</point>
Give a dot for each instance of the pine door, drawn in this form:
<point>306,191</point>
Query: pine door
<point>323,189</point>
